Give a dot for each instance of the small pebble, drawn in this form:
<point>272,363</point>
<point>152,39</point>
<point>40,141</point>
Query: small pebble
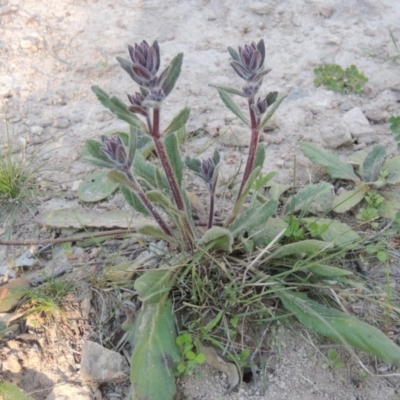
<point>61,122</point>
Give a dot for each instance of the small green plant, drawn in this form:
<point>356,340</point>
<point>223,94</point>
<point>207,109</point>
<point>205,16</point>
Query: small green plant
<point>333,77</point>
<point>395,128</point>
<point>371,179</point>
<point>379,249</point>
<point>334,360</point>
<point>374,200</point>
<point>394,41</point>
<point>45,303</point>
<point>189,358</point>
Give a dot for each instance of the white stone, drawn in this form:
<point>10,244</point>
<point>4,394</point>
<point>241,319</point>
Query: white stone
<point>356,122</point>
<point>260,7</point>
<point>36,130</point>
<point>336,137</point>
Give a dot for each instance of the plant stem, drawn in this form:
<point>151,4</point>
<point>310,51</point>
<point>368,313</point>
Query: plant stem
<point>164,160</point>
<point>252,148</point>
<point>211,215</point>
<point>149,206</point>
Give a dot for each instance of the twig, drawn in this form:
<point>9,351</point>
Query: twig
<point>78,238</point>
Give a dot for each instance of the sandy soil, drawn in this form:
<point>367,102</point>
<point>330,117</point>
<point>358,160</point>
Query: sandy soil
<point>52,52</point>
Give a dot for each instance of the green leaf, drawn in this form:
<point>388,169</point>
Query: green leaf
<point>132,142</point>
<point>214,322</point>
<point>347,200</point>
<point>246,190</point>
<point>391,206</point>
<point>193,164</point>
<point>340,327</point>
<point>179,121</point>
<point>10,391</point>
<point>200,358</point>
<point>302,248</point>
<point>119,108</point>
<point>252,218</point>
<point>173,74</point>
<point>373,163</point>
<point>147,171</point>
<point>336,168</point>
<point>230,90</point>
<point>234,54</point>
<point>259,157</point>
<point>313,198</point>
<point>328,271</point>
<point>155,231</point>
<point>339,233</point>
<point>270,112</point>
<point>232,106</point>
<point>174,156</point>
<point>96,186</point>
<point>271,98</point>
<point>393,168</point>
<point>120,178</point>
<point>93,154</point>
<point>157,197</point>
<point>153,285</point>
<point>276,190</point>
<point>217,238</point>
<point>155,354</point>
<point>134,201</point>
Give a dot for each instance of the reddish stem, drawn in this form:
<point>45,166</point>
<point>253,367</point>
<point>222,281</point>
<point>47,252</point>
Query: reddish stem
<point>211,214</point>
<point>164,160</point>
<point>252,148</point>
<point>149,206</point>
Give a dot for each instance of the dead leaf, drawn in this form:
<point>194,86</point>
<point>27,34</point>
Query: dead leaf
<point>79,218</point>
<point>215,361</point>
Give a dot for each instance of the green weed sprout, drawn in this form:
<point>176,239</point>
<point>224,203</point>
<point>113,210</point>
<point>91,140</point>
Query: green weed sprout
<point>334,78</point>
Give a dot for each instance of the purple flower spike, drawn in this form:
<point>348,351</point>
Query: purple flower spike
<point>114,149</point>
<point>136,100</point>
<point>248,63</point>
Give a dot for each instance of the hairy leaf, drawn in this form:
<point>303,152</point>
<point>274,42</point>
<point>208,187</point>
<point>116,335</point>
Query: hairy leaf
<point>179,121</point>
<point>93,154</point>
<point>340,327</point>
<point>276,190</point>
<point>155,231</point>
<point>218,239</point>
<point>174,156</point>
<point>246,190</point>
<point>230,90</point>
<point>155,353</point>
<point>252,218</point>
<point>339,233</point>
<point>96,186</point>
<point>173,73</point>
<point>134,201</point>
<point>348,199</point>
<point>328,271</point>
<point>232,106</point>
<point>392,166</point>
<point>305,247</point>
<point>153,285</point>
<point>336,168</point>
<point>119,108</point>
<point>259,157</point>
<point>316,197</point>
<point>391,206</point>
<point>373,163</point>
<point>147,171</point>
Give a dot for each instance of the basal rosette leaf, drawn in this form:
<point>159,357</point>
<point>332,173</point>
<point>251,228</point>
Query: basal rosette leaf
<point>340,327</point>
<point>155,353</point>
<point>217,238</point>
<point>373,163</point>
<point>336,168</point>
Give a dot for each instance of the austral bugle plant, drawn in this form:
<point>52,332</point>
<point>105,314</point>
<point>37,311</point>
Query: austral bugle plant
<point>155,190</point>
